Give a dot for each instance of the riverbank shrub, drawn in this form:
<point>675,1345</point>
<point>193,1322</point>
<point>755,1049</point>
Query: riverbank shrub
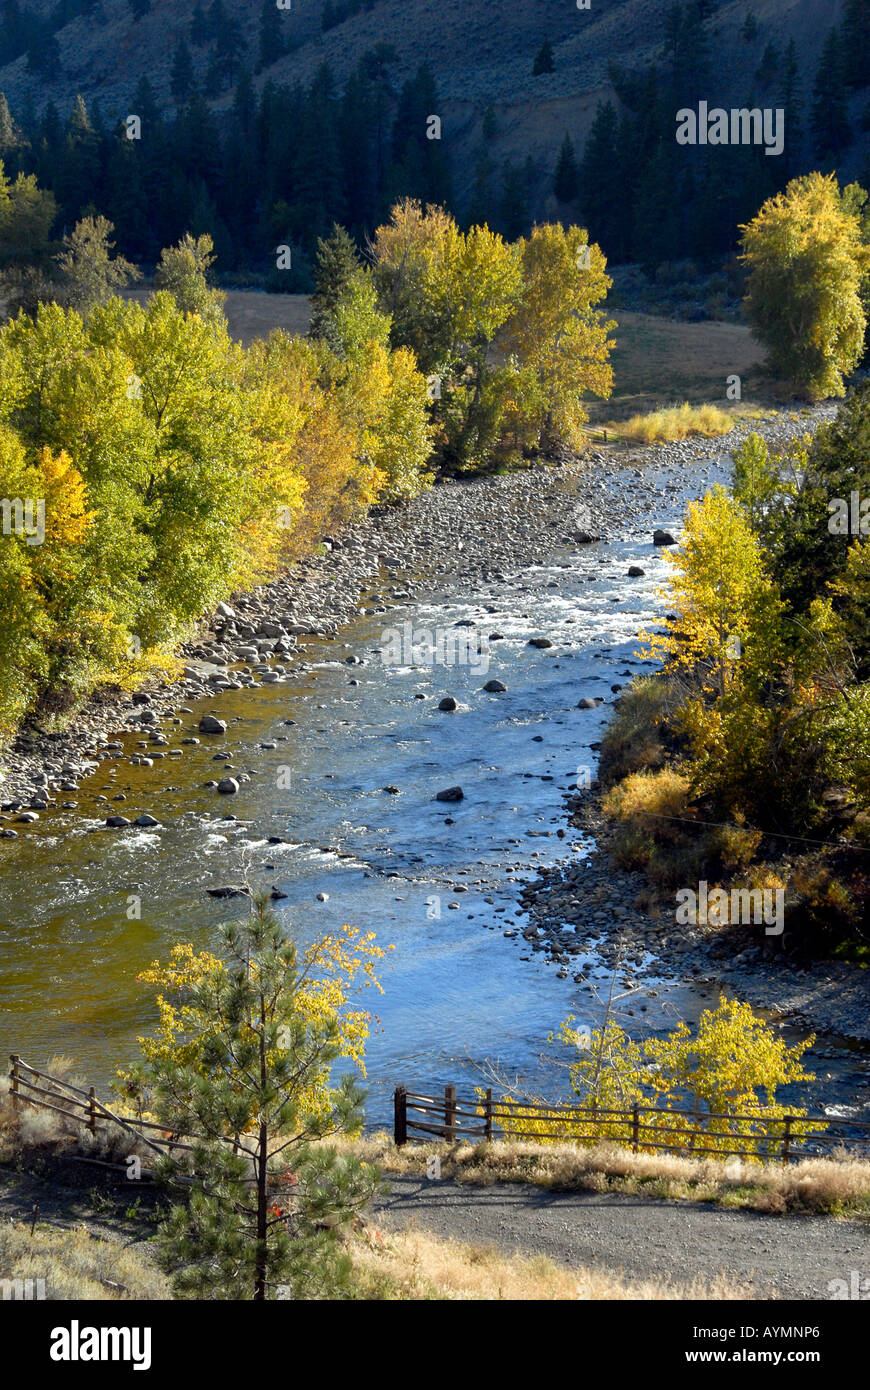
<point>677,422</point>
<point>765,667</point>
<point>725,1073</point>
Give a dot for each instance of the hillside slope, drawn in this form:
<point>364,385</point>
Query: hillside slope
<point>481,53</point>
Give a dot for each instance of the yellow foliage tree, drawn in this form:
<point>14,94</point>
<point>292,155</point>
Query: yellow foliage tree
<point>807,261</point>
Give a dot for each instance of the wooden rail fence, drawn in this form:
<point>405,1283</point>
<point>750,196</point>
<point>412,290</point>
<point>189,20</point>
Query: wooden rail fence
<point>643,1127</point>
<point>47,1092</point>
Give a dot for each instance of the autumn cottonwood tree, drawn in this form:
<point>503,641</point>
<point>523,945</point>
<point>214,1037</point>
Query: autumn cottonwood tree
<point>808,260</point>
<point>558,333</point>
<point>245,1065</point>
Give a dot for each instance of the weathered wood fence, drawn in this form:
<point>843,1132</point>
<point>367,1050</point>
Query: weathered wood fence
<point>641,1127</point>
<point>31,1087</point>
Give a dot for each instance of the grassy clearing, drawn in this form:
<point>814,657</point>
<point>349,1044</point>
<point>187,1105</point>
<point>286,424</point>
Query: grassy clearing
<point>658,361</point>
<point>828,1186</point>
<point>418,1266</point>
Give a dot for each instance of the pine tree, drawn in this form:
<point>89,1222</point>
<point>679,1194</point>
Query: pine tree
<point>566,183</point>
<point>181,77</point>
<point>830,115</point>
<point>200,33</point>
<point>856,42</point>
<point>514,217</point>
<point>338,263</point>
<point>268,1202</point>
<point>769,66</point>
<point>43,53</point>
<point>273,40</point>
<point>792,105</point>
<point>9,137</point>
<point>604,193</point>
<point>749,32</point>
<point>544,61</point>
<point>420,165</point>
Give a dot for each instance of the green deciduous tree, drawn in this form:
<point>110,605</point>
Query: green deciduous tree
<point>183,271</point>
<point>89,273</point>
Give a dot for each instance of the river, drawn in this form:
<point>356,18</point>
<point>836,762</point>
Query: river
<point>438,881</point>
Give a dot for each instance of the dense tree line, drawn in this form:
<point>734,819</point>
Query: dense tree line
<point>276,169</point>
<point>150,466</point>
<point>648,199</point>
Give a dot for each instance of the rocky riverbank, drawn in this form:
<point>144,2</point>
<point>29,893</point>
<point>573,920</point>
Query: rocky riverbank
<point>590,908</point>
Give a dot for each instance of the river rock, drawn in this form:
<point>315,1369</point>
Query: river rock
<point>541,642</point>
<point>210,724</point>
<point>448,704</point>
<point>145,822</point>
<point>635,572</point>
<point>117,822</point>
<point>228,786</point>
<point>663,538</point>
<point>450,794</point>
<point>495,687</point>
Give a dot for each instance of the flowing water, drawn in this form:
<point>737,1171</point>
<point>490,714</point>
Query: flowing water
<point>459,994</point>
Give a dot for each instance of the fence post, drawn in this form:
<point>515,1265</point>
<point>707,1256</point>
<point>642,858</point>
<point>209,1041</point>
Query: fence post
<point>450,1113</point>
<point>13,1077</point>
<point>635,1127</point>
<point>92,1110</point>
<point>786,1139</point>
<point>487,1115</point>
<point>400,1116</point>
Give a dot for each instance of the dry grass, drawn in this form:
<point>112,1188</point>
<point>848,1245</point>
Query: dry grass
<point>78,1265</point>
<point>678,422</point>
<point>416,1265</point>
<point>834,1186</point>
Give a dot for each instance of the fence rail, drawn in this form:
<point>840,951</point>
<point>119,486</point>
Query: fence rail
<point>644,1127</point>
<point>31,1087</point>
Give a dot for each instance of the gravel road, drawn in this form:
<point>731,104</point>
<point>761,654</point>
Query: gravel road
<point>789,1257</point>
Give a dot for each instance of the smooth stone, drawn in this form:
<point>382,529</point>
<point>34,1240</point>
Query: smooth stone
<point>448,704</point>
<point>228,786</point>
<point>495,687</point>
